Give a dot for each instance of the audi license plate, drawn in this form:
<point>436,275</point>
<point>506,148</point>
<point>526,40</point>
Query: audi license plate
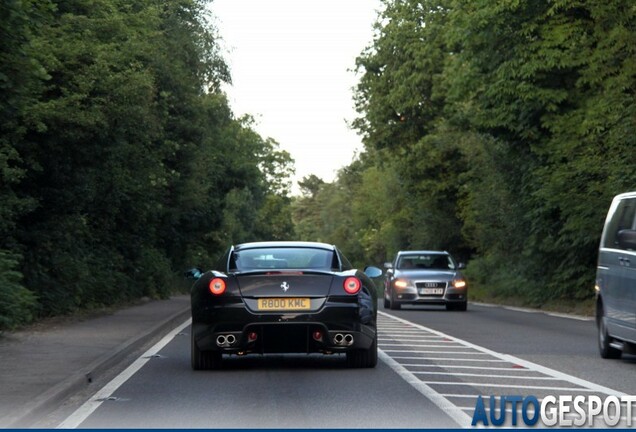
<point>431,291</point>
<point>283,304</point>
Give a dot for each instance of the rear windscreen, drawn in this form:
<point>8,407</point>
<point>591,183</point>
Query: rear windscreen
<point>283,258</point>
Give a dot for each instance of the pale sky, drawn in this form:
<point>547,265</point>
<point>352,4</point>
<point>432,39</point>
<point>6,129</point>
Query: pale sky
<point>292,67</point>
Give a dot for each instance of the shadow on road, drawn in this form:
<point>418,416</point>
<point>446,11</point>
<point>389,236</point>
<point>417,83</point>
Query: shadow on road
<point>284,361</point>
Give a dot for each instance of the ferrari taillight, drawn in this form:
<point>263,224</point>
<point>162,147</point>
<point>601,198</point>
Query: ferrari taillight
<point>352,285</point>
<point>217,286</point>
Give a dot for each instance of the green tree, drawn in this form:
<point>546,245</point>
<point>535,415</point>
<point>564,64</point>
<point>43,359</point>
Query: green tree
<point>21,77</point>
<point>528,75</point>
<point>306,209</point>
<point>121,161</point>
<point>401,98</point>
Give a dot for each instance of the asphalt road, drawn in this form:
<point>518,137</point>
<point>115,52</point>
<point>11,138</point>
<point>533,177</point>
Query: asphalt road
<point>433,366</point>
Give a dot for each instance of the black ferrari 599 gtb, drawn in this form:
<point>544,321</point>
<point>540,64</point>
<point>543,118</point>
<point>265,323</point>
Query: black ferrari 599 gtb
<point>284,297</point>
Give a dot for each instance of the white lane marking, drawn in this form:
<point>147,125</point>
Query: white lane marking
<point>455,395</point>
<point>574,317</point>
<point>519,309</point>
<point>450,359</point>
<point>426,346</point>
<point>459,416</point>
<point>438,352</point>
<point>508,369</point>
<point>409,340</point>
<point>400,326</point>
<point>528,310</point>
<point>433,352</point>
<point>470,396</point>
<point>517,386</point>
<point>412,338</point>
<point>518,361</point>
<point>82,413</point>
<point>486,376</point>
<point>402,332</point>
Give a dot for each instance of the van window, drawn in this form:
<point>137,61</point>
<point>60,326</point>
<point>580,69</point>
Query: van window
<point>622,218</point>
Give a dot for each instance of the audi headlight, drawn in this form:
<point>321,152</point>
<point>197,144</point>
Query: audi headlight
<point>459,283</point>
<point>402,283</point>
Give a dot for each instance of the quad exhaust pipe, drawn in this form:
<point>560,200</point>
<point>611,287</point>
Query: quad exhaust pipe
<point>345,339</point>
<point>340,339</point>
<point>225,340</point>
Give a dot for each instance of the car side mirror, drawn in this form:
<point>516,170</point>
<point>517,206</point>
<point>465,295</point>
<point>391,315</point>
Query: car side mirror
<point>388,265</point>
<point>461,266</point>
<point>193,273</point>
<point>626,239</point>
<point>372,272</point>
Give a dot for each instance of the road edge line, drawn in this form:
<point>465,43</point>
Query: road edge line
<point>82,413</point>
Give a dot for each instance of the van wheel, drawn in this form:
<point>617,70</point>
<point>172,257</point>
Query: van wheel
<point>604,340</point>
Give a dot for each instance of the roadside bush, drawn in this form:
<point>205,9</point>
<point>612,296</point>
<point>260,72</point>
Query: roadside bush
<point>154,275</point>
<point>490,281</point>
<point>17,303</point>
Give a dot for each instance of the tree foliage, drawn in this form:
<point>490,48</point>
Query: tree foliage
<point>121,161</point>
<point>499,130</point>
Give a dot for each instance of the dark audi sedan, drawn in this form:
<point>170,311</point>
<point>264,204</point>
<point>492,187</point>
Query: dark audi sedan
<point>425,277</point>
<point>284,297</point>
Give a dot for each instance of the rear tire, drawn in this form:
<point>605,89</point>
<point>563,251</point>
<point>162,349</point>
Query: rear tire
<point>204,360</point>
<point>393,305</point>
<point>604,339</point>
<point>362,358</point>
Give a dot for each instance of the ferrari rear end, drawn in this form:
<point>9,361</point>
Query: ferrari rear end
<point>284,298</point>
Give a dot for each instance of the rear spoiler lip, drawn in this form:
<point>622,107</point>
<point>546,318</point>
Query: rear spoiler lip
<point>283,272</point>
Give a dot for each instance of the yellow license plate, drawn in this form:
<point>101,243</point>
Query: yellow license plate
<point>283,304</point>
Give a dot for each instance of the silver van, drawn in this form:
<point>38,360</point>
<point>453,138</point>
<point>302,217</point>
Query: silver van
<point>616,279</point>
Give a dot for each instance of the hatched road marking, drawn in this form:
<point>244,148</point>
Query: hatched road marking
<point>452,372</point>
